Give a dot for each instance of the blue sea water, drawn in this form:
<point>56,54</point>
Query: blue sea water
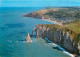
<point>13,29</point>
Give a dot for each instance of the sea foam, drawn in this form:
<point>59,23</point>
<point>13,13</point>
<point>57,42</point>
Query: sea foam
<point>59,47</point>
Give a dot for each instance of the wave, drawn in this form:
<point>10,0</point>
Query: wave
<point>27,42</point>
<point>60,48</point>
<point>31,41</point>
<point>68,53</point>
<point>9,41</point>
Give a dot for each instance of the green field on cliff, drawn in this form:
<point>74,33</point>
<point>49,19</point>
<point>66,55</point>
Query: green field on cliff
<point>75,28</point>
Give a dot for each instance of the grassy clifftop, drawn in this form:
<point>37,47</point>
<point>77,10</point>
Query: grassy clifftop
<point>73,28</point>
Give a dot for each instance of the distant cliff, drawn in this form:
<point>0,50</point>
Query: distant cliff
<point>60,37</point>
<point>33,15</point>
<point>66,14</point>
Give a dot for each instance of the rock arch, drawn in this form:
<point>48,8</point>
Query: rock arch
<point>36,30</point>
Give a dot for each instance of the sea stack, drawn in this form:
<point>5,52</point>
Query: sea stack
<point>28,39</point>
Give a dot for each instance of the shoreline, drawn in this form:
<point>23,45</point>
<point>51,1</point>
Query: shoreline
<point>58,23</point>
<point>61,48</point>
<point>55,22</point>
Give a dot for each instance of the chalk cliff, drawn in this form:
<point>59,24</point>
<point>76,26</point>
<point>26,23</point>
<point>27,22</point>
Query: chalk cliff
<point>59,37</point>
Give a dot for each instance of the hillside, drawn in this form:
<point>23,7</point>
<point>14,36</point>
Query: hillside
<point>62,14</point>
<point>69,12</point>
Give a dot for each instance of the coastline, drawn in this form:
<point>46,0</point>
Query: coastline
<point>58,23</point>
<point>66,52</point>
<point>61,48</point>
<point>55,22</point>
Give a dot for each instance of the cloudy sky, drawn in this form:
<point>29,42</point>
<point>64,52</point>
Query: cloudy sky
<point>38,3</point>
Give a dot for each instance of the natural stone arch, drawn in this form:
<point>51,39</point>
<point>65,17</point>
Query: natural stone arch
<point>36,30</point>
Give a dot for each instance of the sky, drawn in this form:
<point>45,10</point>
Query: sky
<point>38,3</point>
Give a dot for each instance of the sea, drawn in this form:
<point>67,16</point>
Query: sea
<point>13,31</point>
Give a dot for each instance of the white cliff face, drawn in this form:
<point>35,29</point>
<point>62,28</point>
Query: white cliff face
<point>50,35</point>
<point>59,37</point>
<point>68,42</point>
<point>28,39</point>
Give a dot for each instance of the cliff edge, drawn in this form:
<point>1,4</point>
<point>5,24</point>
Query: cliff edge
<point>65,36</point>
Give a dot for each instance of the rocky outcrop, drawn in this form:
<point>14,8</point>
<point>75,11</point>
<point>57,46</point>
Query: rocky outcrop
<point>33,15</point>
<point>37,29</point>
<point>28,39</point>
<point>59,37</point>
